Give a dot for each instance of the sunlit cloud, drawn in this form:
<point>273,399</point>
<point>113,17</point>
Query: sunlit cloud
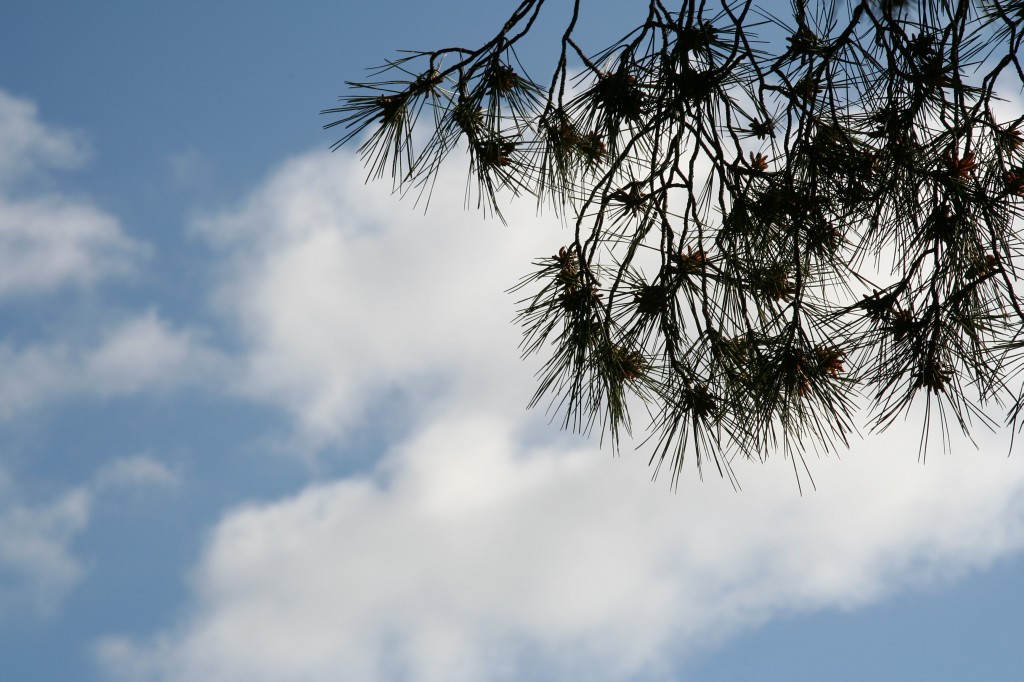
<point>469,548</point>
<point>342,293</point>
<point>482,545</point>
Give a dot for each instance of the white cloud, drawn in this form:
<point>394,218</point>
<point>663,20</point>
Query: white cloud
<point>38,566</point>
<point>343,293</point>
<point>482,547</point>
<point>140,353</point>
<point>50,241</point>
<point>139,470</point>
<point>189,168</point>
<point>28,146</point>
<point>470,548</point>
<point>146,352</point>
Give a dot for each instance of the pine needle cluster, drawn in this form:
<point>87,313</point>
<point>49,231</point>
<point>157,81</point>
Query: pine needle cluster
<point>780,222</point>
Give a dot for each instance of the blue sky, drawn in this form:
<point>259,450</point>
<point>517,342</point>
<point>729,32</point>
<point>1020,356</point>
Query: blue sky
<point>260,422</point>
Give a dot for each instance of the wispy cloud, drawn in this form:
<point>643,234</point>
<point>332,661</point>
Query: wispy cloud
<point>140,353</point>
<point>27,145</point>
<point>48,240</point>
<point>38,564</point>
<point>52,241</point>
<point>134,471</point>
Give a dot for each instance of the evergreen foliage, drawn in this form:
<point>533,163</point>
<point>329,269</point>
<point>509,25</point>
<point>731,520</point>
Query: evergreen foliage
<point>772,240</point>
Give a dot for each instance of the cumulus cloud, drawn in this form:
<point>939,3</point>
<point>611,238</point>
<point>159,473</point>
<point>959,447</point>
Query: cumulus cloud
<point>144,352</point>
<point>49,241</point>
<point>482,547</point>
<point>38,566</point>
<point>343,293</point>
<point>472,555</point>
